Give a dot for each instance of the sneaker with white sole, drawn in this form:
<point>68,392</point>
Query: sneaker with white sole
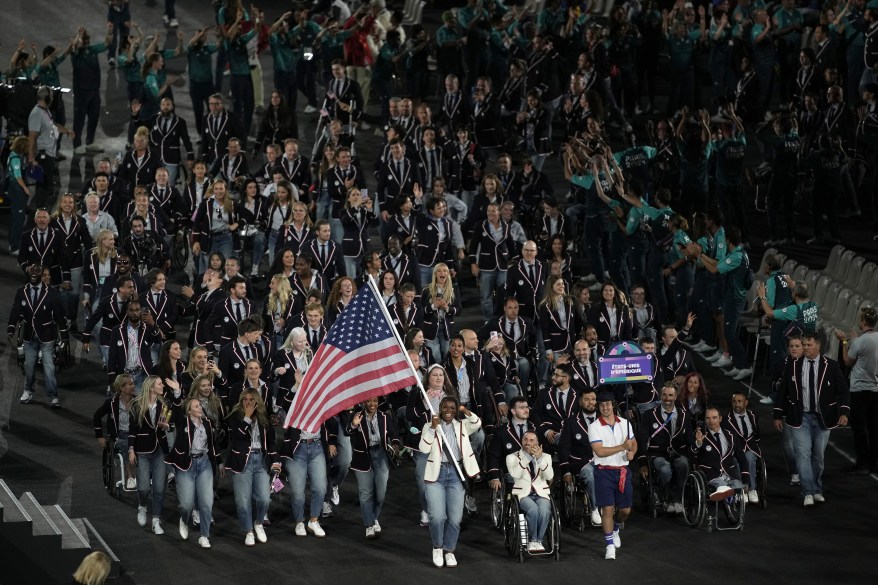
<point>596,517</point>
<point>425,519</point>
<point>184,530</point>
<point>196,518</point>
<point>300,529</point>
<point>743,374</point>
<point>450,561</point>
<point>370,533</point>
<point>131,484</point>
<point>753,497</point>
<point>165,19</point>
<point>723,362</point>
<point>260,533</point>
<point>315,529</point>
<point>794,479</point>
<point>26,397</point>
<point>469,503</point>
<point>327,511</point>
<point>678,508</point>
<point>702,347</point>
<point>55,403</point>
<point>438,559</point>
<point>732,373</point>
<point>715,357</point>
<point>141,515</point>
<point>809,501</point>
<point>365,126</point>
<point>617,542</point>
<point>610,555</point>
<point>334,497</point>
<point>157,527</point>
<point>174,23</point>
<point>766,400</point>
<point>94,147</point>
<point>377,527</point>
<point>721,492</point>
<point>249,539</point>
<point>309,109</point>
<point>79,150</point>
<point>819,498</point>
<point>203,542</point>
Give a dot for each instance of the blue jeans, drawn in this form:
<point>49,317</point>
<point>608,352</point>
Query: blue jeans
<point>439,346</point>
<point>489,281</point>
<point>372,486</point>
<point>810,441</point>
<point>751,459</point>
<point>674,470</point>
<point>222,243</point>
<point>426,274</point>
<point>586,474</point>
<point>252,485</point>
<point>538,512</point>
<point>151,465</point>
<point>352,266</point>
<point>789,449</point>
<point>272,244</point>
<point>420,468</point>
<point>732,309</point>
<point>342,460</point>
<point>309,461</point>
<point>336,229</point>
<point>47,349</point>
<point>445,506</point>
<point>173,171</point>
<point>198,479</point>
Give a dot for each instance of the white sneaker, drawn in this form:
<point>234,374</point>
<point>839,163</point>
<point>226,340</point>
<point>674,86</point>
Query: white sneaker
<point>314,527</point>
<point>610,555</point>
<point>678,508</point>
<point>55,403</point>
<point>753,497</point>
<point>819,498</point>
<point>184,530</point>
<point>794,479</point>
<point>196,518</point>
<point>702,347</point>
<point>131,484</point>
<point>141,515</point>
<point>174,23</point>
<point>157,527</point>
<point>438,559</point>
<point>335,498</point>
<point>721,493</point>
<point>469,503</point>
<point>617,542</point>
<point>595,517</point>
<point>715,357</point>
<point>309,109</point>
<point>94,147</point>
<point>450,561</point>
<point>249,540</point>
<point>425,519</point>
<point>595,287</point>
<point>766,400</point>
<point>365,126</point>
<point>732,373</point>
<point>165,19</point>
<point>669,508</point>
<point>722,362</point>
<point>743,374</point>
<point>79,150</point>
<point>300,529</point>
<point>377,527</point>
<point>203,542</point>
<point>536,546</point>
<point>327,511</point>
<point>809,501</point>
<point>260,533</point>
<point>370,533</point>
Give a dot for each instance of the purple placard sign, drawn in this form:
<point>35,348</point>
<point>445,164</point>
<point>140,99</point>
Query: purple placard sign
<point>625,367</point>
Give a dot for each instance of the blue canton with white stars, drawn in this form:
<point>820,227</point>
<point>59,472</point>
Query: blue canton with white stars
<point>361,323</point>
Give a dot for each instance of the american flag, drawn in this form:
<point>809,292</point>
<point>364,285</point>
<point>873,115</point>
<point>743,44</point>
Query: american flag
<point>359,358</point>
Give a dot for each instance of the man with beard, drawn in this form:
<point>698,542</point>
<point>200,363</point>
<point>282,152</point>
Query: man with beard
<point>146,248</point>
<point>166,135</point>
<point>574,449</point>
<point>39,309</point>
<point>110,313</point>
<point>131,343</point>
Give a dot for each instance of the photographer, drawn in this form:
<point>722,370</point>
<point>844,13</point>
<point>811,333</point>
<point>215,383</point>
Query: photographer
<point>146,248</point>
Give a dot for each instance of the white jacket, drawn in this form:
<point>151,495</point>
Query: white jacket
<point>431,445</point>
<point>518,466</point>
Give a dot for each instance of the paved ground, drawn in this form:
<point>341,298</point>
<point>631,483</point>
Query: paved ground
<point>54,455</point>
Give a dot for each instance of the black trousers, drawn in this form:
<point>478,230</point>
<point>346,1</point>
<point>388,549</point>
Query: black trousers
<point>86,103</point>
<point>45,191</point>
<point>864,423</point>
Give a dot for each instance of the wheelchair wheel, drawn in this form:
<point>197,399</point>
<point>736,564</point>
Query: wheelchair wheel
<point>512,530</point>
<point>694,499</point>
<point>108,467</point>
<point>554,532</point>
<point>498,504</point>
<point>180,251</point>
<point>650,496</point>
<point>762,483</point>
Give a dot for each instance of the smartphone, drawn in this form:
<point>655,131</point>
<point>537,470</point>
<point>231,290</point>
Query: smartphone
<point>364,193</point>
<point>495,334</point>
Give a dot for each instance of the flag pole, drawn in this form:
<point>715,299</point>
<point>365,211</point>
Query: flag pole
<point>373,285</point>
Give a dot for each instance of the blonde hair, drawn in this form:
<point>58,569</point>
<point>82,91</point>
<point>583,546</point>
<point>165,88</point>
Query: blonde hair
<point>261,416</point>
<point>99,251</point>
<point>295,205</point>
<point>279,300</point>
<point>552,301</point>
<point>448,293</point>
<point>57,211</point>
<point>228,204</point>
<point>141,403</point>
<point>214,404</point>
<point>93,569</point>
<point>190,367</point>
<point>142,132</point>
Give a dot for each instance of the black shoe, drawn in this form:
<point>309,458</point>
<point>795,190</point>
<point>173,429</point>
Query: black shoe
<point>857,470</point>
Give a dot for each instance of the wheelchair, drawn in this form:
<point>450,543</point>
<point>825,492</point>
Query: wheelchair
<point>652,494</point>
<point>515,534</point>
<point>575,504</point>
<point>113,468</point>
<point>697,505</point>
<point>498,504</point>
